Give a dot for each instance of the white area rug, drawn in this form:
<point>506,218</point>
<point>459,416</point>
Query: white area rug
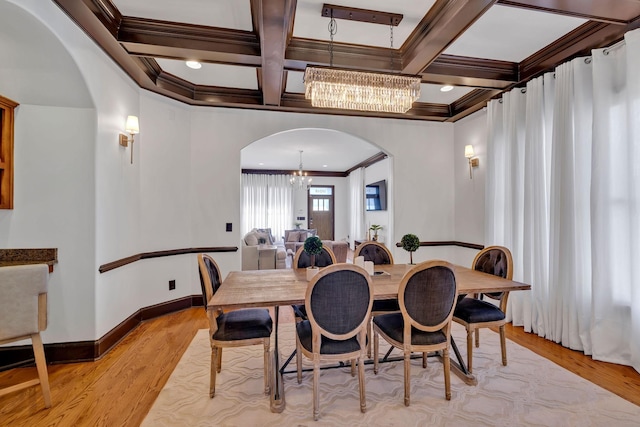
<point>530,391</point>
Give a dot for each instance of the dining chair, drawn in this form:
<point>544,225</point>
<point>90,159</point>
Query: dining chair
<point>427,297</point>
<point>23,310</point>
<point>303,260</point>
<point>375,252</point>
<point>379,254</point>
<point>237,328</point>
<point>474,313</point>
<point>338,301</point>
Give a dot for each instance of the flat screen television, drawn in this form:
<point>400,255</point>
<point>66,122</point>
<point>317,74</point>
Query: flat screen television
<point>376,196</point>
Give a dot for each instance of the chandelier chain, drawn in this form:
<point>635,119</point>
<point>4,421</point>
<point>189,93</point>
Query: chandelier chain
<point>333,29</point>
<point>391,43</point>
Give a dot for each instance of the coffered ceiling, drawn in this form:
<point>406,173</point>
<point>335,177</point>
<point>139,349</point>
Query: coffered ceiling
<point>254,52</point>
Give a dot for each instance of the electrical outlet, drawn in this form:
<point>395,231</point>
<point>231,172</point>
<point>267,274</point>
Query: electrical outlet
<point>172,285</point>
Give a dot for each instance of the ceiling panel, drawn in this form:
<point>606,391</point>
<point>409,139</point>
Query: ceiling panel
<point>217,13</point>
<point>310,24</point>
<point>511,34</point>
<point>212,74</point>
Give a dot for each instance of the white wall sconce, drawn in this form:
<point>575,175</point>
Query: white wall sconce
<point>133,128</point>
<point>473,161</point>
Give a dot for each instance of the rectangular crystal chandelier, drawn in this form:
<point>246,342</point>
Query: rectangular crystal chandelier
<point>357,90</point>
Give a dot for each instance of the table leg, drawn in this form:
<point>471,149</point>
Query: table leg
<point>277,386</point>
<point>459,367</point>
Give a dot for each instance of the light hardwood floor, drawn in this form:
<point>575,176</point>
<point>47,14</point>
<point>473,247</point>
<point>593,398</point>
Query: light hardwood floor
<point>119,389</point>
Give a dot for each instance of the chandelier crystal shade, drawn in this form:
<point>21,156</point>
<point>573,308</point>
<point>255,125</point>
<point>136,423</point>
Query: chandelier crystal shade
<point>357,90</point>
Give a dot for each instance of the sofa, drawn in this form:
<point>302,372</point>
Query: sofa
<point>259,251</point>
<point>294,239</point>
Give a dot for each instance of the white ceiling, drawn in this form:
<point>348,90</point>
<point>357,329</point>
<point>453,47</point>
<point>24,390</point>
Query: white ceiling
<point>502,33</point>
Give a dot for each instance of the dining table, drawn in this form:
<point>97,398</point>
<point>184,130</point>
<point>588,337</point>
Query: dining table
<point>285,287</point>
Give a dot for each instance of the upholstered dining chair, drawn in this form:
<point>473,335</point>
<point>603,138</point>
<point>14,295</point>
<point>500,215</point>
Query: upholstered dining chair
<point>375,252</point>
<point>427,297</point>
<point>338,301</point>
<point>249,326</point>
<point>303,260</point>
<point>23,310</point>
<point>379,254</point>
<point>474,313</point>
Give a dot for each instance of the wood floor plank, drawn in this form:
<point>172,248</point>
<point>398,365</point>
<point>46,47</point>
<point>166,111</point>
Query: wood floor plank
<point>119,389</point>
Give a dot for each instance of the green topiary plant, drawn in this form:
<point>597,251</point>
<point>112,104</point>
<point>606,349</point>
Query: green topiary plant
<point>410,243</point>
<point>313,247</point>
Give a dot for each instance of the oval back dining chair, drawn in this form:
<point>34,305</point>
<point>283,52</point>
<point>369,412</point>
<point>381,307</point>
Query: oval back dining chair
<point>338,301</point>
<point>427,297</point>
<point>249,326</point>
<point>375,252</point>
<point>23,310</point>
<point>303,260</point>
<point>474,313</point>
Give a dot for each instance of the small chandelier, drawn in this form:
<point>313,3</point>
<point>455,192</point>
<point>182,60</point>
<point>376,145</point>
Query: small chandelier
<point>299,179</point>
<point>329,87</point>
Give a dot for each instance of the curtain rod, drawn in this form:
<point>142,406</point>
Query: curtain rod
<point>613,47</point>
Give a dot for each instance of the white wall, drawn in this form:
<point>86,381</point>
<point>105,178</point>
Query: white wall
<point>470,193</point>
<point>182,189</point>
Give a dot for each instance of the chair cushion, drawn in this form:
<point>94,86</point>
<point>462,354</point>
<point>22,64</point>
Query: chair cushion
<point>300,311</point>
<point>327,346</point>
<point>385,305</point>
<point>375,254</point>
<point>471,310</point>
<point>392,325</point>
<point>243,324</point>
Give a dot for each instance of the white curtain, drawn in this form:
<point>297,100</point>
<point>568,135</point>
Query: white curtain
<point>356,207</point>
<point>267,202</point>
<point>563,193</point>
<point>615,199</point>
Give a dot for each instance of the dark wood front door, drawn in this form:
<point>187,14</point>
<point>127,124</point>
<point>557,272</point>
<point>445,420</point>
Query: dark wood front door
<point>321,211</point>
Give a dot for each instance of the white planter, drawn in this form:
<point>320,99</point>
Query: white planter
<point>312,271</point>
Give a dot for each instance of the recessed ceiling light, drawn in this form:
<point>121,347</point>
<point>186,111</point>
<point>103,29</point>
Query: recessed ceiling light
<point>194,64</point>
<point>324,166</point>
<point>446,88</point>
<point>261,164</point>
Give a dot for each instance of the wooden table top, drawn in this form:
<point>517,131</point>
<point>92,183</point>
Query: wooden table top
<point>267,288</point>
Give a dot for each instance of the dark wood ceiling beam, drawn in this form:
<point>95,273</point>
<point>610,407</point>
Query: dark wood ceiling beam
<point>303,52</point>
<point>274,24</point>
<point>492,73</point>
<point>580,41</point>
<point>470,103</point>
<point>147,37</point>
<point>443,24</point>
<point>620,12</point>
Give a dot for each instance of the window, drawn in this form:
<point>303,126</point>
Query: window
<point>7,108</point>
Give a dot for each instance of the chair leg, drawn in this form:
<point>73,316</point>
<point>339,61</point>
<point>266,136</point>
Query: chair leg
<point>219,359</point>
<point>299,362</point>
<point>369,335</point>
<point>353,367</point>
<point>407,376</point>
<point>503,345</point>
<point>376,344</point>
<point>363,401</point>
<point>267,376</point>
<point>477,337</point>
<point>424,359</point>
<point>447,373</point>
<point>41,365</point>
<point>214,370</point>
<point>316,387</point>
<point>470,350</point>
